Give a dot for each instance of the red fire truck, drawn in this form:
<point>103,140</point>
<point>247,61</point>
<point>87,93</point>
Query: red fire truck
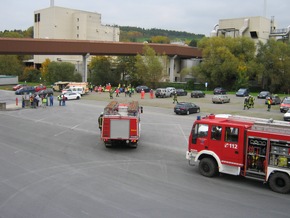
<point>121,123</point>
<point>251,147</point>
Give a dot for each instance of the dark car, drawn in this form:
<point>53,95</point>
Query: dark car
<point>18,86</point>
<point>186,108</point>
<point>25,90</point>
<point>275,100</point>
<point>264,94</point>
<point>219,91</point>
<point>197,94</point>
<point>44,92</point>
<point>285,105</point>
<point>139,89</point>
<point>242,92</point>
<point>181,92</point>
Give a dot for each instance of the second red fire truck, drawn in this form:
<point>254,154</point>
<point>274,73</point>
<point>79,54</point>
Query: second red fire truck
<point>251,147</point>
<point>121,123</point>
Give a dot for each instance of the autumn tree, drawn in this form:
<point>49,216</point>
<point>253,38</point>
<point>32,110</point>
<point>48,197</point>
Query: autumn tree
<point>160,39</point>
<point>44,70</point>
<point>149,66</point>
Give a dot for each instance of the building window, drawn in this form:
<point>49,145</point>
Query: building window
<point>78,19</point>
<point>77,35</point>
<point>37,17</point>
<point>78,27</point>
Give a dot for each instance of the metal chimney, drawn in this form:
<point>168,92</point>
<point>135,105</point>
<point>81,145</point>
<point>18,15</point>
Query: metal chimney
<point>51,3</point>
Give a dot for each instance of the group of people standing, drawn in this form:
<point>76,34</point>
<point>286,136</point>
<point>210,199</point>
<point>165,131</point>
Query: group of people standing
<point>61,99</point>
<point>36,101</point>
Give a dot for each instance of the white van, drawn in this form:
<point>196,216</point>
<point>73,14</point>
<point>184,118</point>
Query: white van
<point>74,89</point>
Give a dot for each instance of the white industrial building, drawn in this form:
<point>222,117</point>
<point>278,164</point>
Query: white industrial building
<point>64,23</point>
<point>258,28</point>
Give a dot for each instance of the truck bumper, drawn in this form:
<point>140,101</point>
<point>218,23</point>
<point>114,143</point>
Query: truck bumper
<point>191,155</point>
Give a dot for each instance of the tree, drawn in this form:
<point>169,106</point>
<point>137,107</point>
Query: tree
<point>274,58</point>
<point>44,71</point>
<point>10,65</point>
<point>149,66</point>
<point>61,71</point>
<point>30,74</point>
<point>160,39</point>
<point>101,71</point>
<point>227,61</point>
<point>126,68</point>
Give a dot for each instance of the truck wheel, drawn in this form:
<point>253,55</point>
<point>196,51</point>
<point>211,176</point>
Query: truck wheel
<point>133,145</point>
<point>208,167</point>
<point>280,182</point>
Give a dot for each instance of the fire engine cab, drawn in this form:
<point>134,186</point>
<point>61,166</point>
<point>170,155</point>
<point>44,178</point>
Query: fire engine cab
<point>251,147</point>
<point>121,123</point>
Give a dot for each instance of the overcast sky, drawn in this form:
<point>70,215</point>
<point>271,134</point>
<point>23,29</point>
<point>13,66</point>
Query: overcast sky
<point>194,16</point>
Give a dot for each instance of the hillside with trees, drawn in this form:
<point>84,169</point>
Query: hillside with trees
<point>137,34</point>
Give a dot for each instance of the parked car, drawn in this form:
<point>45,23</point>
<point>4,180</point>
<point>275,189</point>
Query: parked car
<point>44,92</point>
<point>181,92</point>
<point>219,91</point>
<point>138,89</point>
<point>161,93</point>
<point>197,94</point>
<point>286,116</point>
<point>18,86</point>
<point>72,96</point>
<point>220,99</point>
<point>275,100</point>
<point>264,94</point>
<point>25,90</point>
<point>242,92</point>
<point>39,88</point>
<point>285,105</point>
<point>171,90</point>
<point>186,108</point>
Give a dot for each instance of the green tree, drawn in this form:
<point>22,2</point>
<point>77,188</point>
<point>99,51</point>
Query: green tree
<point>274,58</point>
<point>61,71</point>
<point>10,65</point>
<point>126,68</point>
<point>227,62</point>
<point>149,66</point>
<point>30,74</point>
<point>101,71</point>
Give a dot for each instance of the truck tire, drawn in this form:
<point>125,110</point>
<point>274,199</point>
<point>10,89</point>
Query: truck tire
<point>280,182</point>
<point>208,167</point>
<point>134,145</point>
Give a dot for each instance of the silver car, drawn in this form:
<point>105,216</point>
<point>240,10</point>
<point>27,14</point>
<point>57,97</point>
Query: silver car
<point>220,99</point>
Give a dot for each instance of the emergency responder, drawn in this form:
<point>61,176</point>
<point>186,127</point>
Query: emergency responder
<point>100,121</point>
<point>269,103</point>
<point>111,93</point>
<point>175,97</point>
<point>59,100</point>
<point>246,103</point>
<point>251,101</point>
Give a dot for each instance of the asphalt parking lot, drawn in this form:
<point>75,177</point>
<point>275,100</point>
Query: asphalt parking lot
<point>53,164</point>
